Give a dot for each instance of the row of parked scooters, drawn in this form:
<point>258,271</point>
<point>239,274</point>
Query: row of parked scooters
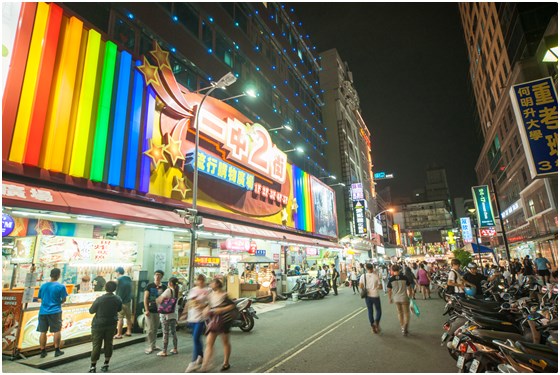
<point>511,330</point>
<point>308,287</point>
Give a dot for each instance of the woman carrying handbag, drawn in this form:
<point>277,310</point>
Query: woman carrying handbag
<point>167,308</point>
<point>220,312</point>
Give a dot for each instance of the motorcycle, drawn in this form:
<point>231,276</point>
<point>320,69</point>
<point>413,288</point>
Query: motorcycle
<point>245,319</point>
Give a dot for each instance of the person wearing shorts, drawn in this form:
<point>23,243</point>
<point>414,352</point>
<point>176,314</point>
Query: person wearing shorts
<point>543,268</point>
<point>52,295</point>
<point>273,285</point>
<point>124,291</point>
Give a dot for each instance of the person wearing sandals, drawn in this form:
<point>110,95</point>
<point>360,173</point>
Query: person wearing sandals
<point>104,324</point>
<point>124,290</point>
<point>169,320</point>
<point>218,304</point>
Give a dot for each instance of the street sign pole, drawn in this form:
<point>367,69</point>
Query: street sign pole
<point>504,236</point>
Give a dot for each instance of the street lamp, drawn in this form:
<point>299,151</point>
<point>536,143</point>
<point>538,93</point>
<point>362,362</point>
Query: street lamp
<point>387,210</point>
<point>283,127</point>
<point>222,83</point>
<point>297,149</point>
<point>332,177</point>
<point>250,93</point>
<point>337,184</point>
<point>472,211</point>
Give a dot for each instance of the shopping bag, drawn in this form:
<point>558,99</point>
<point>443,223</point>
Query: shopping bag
<point>414,308</point>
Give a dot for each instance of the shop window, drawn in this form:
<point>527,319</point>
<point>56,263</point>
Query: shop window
<point>532,207</point>
<point>187,17</point>
<point>124,34</point>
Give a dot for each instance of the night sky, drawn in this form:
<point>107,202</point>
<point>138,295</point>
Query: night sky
<point>410,68</point>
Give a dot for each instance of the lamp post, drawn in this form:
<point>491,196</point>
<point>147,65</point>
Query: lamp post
<point>472,211</point>
<point>194,219</point>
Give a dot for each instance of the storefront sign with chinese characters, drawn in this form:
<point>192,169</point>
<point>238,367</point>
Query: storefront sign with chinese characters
<point>357,192</point>
<point>222,170</point>
<point>236,244</point>
<point>484,211</point>
<point>511,209</point>
<point>213,262</point>
<point>536,109</point>
<point>23,192</point>
<point>466,229</point>
<point>360,225</point>
<point>487,232</point>
<point>271,195</point>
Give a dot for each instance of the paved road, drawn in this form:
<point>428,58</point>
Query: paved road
<point>329,335</point>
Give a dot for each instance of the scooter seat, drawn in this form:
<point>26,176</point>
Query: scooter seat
<point>489,335</point>
<point>536,362</point>
<point>537,349</point>
<point>475,303</point>
<point>500,321</point>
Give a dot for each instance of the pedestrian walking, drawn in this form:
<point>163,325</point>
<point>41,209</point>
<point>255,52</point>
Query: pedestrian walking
<point>168,315</point>
<point>371,282</point>
<point>334,277</point>
<point>384,278</point>
<point>52,295</point>
<point>103,325</point>
<point>455,280</point>
<point>151,293</point>
<point>528,269</point>
<point>543,268</point>
<point>411,279</point>
<point>399,290</point>
<point>354,280</point>
<point>197,300</point>
<point>124,291</point>
<point>424,281</point>
<point>220,312</point>
<point>272,285</point>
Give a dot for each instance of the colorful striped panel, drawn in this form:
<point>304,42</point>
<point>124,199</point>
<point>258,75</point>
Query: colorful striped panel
<point>58,119</point>
<point>103,113</point>
<point>132,150</point>
<point>86,106</point>
<point>29,89</point>
<point>148,125</point>
<point>119,120</point>
<point>37,125</point>
<point>15,74</point>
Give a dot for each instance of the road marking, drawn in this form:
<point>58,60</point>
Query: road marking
<point>310,341</point>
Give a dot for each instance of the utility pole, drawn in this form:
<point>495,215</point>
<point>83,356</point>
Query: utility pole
<point>495,191</point>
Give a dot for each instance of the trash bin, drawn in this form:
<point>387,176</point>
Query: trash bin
<point>294,297</point>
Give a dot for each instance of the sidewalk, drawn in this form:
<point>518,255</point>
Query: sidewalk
<point>15,367</point>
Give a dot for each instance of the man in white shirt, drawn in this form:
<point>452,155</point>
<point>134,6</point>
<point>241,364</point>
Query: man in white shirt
<point>371,281</point>
<point>455,279</point>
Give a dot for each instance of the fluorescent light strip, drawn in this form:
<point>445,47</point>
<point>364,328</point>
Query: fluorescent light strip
<point>25,213</point>
<point>141,225</point>
<point>176,230</point>
<point>96,220</point>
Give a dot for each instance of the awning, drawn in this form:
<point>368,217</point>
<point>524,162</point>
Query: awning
<point>481,249</point>
<point>33,197</point>
<point>257,259</point>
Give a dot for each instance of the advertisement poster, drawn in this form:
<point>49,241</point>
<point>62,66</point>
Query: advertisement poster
<point>76,322</point>
<point>483,204</point>
<point>84,251</point>
<point>201,261</point>
<point>24,250</point>
<point>11,313</point>
<point>324,209</point>
<point>466,229</point>
<point>536,108</point>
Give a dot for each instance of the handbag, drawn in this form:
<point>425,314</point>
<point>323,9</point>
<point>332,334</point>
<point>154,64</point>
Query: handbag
<point>414,308</point>
<point>215,323</point>
<point>167,306</point>
<point>363,291</point>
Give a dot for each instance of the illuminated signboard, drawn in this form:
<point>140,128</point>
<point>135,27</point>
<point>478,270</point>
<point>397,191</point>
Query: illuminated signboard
<point>219,169</point>
<point>466,228</point>
<point>8,224</point>
<point>536,109</point>
<point>357,191</point>
<point>360,225</point>
<point>511,209</point>
<point>487,232</point>
<point>260,253</point>
<point>379,175</point>
<point>484,211</point>
<point>213,262</point>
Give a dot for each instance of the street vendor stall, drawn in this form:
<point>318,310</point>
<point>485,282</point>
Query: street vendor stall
<point>76,258</point>
<point>254,281</point>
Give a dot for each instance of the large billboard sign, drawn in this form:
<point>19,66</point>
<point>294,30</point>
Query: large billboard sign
<point>536,109</point>
<point>466,229</point>
<point>483,204</point>
<point>98,115</point>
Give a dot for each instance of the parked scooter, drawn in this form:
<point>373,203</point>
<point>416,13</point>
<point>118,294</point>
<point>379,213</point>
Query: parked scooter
<point>246,316</point>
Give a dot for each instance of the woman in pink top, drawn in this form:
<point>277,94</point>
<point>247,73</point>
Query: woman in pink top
<point>424,281</point>
<point>272,285</point>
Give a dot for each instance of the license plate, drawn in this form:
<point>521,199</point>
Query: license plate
<point>474,365</point>
<point>460,362</point>
<point>444,336</point>
<point>456,342</point>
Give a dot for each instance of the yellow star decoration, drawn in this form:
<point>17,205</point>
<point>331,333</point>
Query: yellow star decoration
<point>180,186</point>
<point>172,149</point>
<point>150,73</point>
<point>156,154</point>
<point>161,56</point>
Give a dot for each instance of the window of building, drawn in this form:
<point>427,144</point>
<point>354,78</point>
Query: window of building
<point>124,34</point>
<point>224,50</point>
<point>183,75</point>
<point>187,17</point>
<point>207,35</point>
<point>524,177</point>
<point>532,207</point>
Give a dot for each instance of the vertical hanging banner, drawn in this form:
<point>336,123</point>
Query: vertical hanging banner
<point>483,204</point>
<point>536,108</point>
<point>360,225</point>
<point>466,228</point>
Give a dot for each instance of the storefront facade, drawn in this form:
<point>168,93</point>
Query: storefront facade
<point>98,150</point>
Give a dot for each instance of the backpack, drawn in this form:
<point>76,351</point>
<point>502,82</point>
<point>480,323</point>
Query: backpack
<point>451,289</point>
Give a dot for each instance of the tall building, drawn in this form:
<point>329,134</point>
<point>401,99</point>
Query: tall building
<point>505,47</point>
<point>436,184</point>
<point>349,152</point>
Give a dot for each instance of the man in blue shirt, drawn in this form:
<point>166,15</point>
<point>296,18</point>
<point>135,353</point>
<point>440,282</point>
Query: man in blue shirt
<point>543,268</point>
<point>52,295</point>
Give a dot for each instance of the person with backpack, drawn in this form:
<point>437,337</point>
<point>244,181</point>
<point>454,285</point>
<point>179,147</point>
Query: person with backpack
<point>167,309</point>
<point>455,283</point>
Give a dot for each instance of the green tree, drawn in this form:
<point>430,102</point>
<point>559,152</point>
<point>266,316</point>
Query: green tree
<point>464,256</point>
